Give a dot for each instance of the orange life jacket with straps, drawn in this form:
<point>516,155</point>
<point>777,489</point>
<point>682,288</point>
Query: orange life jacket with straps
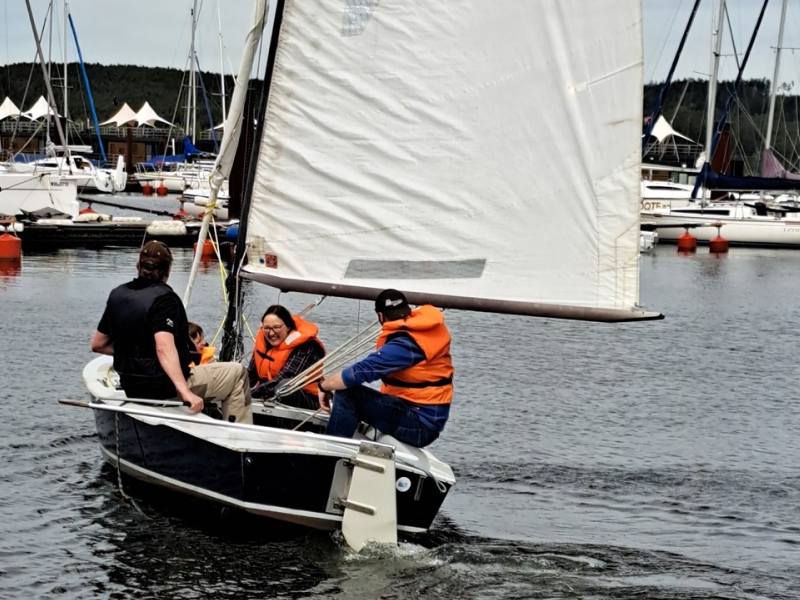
<point>269,360</point>
<point>206,356</point>
<point>429,381</point>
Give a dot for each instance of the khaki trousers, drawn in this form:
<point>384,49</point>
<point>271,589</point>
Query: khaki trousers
<point>224,382</point>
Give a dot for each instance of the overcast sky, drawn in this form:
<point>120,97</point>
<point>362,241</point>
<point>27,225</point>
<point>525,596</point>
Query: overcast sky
<point>157,33</point>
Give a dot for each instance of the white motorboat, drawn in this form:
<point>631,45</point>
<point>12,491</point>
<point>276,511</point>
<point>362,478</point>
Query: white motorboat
<point>78,170</point>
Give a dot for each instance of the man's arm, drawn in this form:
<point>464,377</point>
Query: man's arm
<point>399,353</point>
<point>168,357</point>
<point>102,344</point>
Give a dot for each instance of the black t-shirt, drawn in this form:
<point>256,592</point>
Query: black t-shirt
<point>135,312</point>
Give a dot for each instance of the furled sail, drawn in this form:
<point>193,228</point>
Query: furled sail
<point>473,154</point>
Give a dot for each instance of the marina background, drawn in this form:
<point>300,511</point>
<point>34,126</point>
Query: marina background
<point>655,460</point>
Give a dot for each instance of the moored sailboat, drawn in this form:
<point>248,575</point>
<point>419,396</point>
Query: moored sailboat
<point>430,170</point>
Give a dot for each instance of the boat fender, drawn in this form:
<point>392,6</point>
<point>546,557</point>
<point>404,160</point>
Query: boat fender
<point>54,222</point>
<point>166,228</point>
<point>231,233</point>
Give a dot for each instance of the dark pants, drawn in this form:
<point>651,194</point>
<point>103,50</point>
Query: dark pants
<point>387,414</point>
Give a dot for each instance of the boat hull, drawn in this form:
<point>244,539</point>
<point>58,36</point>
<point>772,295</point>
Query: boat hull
<point>300,487</point>
<point>767,232</point>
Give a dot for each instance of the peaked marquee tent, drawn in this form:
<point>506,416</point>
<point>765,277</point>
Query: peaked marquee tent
<point>9,109</point>
<point>40,109</point>
<point>145,116</point>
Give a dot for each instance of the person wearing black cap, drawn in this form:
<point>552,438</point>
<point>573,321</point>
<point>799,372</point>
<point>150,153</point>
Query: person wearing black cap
<point>412,359</point>
<point>146,330</point>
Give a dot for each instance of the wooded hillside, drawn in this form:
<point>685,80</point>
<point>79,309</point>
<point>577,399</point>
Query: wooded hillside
<point>112,86</point>
<point>685,108</point>
<point>166,90</point>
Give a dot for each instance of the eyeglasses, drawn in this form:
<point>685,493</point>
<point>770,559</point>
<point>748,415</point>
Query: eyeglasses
<point>275,329</point>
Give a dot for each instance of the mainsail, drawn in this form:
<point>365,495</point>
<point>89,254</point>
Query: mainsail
<point>473,154</point>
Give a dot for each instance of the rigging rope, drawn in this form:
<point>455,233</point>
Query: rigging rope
<point>332,362</point>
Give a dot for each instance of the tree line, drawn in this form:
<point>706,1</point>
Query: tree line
<point>685,107</point>
<point>112,86</point>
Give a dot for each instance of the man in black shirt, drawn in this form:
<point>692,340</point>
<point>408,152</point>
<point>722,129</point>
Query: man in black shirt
<point>145,329</point>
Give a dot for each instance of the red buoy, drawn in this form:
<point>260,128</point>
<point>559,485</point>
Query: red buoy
<point>208,249</point>
<point>87,211</point>
<point>10,247</point>
<point>687,242</point>
<point>147,189</point>
<point>161,190</point>
<point>719,243</point>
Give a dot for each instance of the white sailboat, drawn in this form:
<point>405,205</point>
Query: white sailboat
<point>44,194</point>
<point>762,218</point>
<point>493,164</point>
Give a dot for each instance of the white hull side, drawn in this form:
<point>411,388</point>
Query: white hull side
<point>755,231</point>
<point>20,191</point>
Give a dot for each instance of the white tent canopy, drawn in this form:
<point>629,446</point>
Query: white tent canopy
<point>147,115</point>
<point>124,116</point>
<point>662,130</point>
<point>8,109</point>
<point>39,110</point>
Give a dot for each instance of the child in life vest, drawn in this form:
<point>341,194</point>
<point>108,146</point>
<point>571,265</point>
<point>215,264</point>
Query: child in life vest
<point>199,349</point>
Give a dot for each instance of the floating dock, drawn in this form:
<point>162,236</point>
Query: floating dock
<point>55,234</point>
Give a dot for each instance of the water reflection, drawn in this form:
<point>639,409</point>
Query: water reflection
<point>10,268</point>
<point>177,547</point>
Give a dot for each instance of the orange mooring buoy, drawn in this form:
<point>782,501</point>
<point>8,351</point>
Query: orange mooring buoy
<point>147,189</point>
<point>87,211</point>
<point>208,249</point>
<point>719,243</point>
<point>161,190</point>
<point>10,247</point>
<point>687,242</point>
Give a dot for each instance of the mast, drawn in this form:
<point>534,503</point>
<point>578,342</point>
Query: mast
<point>192,78</point>
<point>233,128</point>
<point>66,88</point>
<point>713,132</point>
<point>232,335</point>
<point>51,99</point>
<point>88,89</point>
<point>716,36</point>
<point>50,61</point>
<point>191,97</point>
<point>773,91</point>
<point>221,65</point>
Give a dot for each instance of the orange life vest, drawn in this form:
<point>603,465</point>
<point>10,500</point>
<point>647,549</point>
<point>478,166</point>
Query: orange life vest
<point>206,356</point>
<point>269,360</point>
<point>430,381</point>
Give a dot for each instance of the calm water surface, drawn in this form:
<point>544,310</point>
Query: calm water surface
<point>657,460</point>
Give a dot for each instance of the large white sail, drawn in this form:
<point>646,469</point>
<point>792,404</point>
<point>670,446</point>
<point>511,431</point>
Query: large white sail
<point>476,154</point>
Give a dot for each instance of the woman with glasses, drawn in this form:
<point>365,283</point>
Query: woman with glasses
<point>286,345</point>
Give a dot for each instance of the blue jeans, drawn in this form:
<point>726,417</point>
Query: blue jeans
<point>388,414</point>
